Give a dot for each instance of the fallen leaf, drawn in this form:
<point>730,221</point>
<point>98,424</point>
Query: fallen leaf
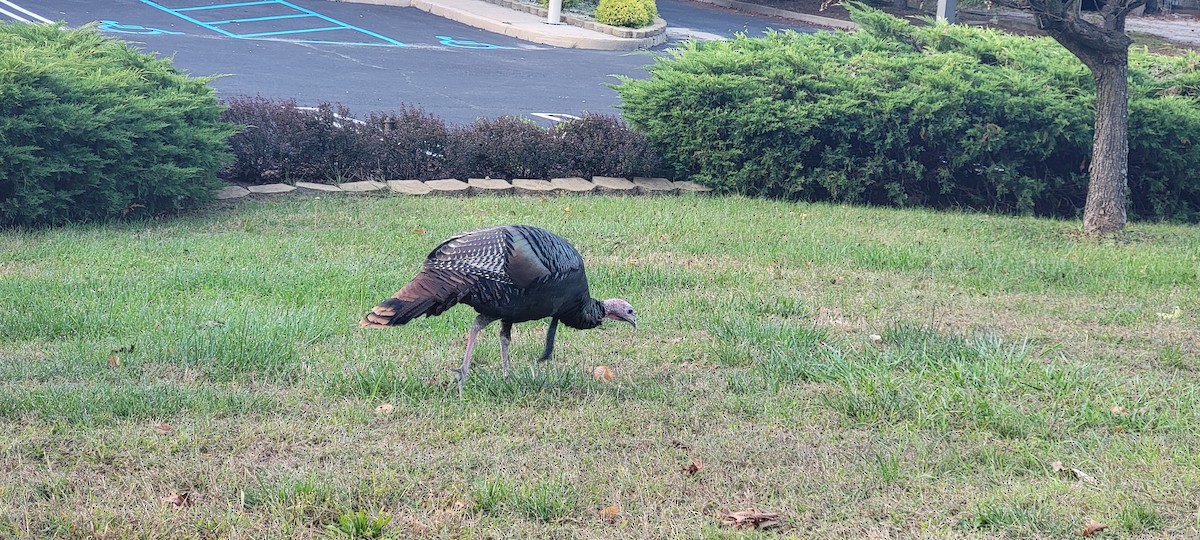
<point>694,467</point>
<point>114,361</point>
<point>567,210</point>
<point>610,513</point>
<point>180,500</point>
<point>1117,409</point>
<point>1058,467</point>
<point>1093,527</point>
<point>163,428</point>
<point>1172,315</point>
<point>876,339</point>
<point>418,231</point>
<point>752,518</point>
<point>384,408</point>
<point>602,373</point>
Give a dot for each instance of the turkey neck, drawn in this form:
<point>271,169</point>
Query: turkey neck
<point>590,315</point>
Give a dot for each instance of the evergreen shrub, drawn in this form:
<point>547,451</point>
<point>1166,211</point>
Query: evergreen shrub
<point>895,114</point>
<point>92,129</point>
<point>628,13</point>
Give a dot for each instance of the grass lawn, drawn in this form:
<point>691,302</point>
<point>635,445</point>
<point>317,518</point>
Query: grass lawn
<point>206,377</point>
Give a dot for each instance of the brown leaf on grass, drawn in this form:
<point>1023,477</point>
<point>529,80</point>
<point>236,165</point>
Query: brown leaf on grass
<point>876,339</point>
<point>384,408</point>
<point>163,428</point>
<point>694,467</point>
<point>418,231</point>
<point>1117,409</point>
<point>114,361</point>
<point>752,518</point>
<point>1061,469</point>
<point>610,513</point>
<point>602,373</point>
<point>180,500</point>
<point>1093,527</point>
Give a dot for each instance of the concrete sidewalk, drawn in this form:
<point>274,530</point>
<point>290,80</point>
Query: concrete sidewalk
<point>509,19</point>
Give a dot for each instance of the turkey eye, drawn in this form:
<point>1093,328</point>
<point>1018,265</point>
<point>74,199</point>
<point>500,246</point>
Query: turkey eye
<point>630,312</point>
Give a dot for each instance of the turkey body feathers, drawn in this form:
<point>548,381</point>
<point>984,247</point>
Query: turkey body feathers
<point>514,273</point>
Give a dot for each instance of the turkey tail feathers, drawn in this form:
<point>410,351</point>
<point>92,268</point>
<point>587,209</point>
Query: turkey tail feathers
<point>429,293</point>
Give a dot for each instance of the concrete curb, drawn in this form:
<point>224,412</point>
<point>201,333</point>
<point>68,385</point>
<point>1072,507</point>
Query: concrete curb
<point>497,18</point>
<point>782,13</point>
<point>457,188</point>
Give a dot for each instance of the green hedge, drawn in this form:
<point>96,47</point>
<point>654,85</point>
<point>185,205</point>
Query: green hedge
<point>91,129</point>
<point>895,114</point>
<point>628,13</point>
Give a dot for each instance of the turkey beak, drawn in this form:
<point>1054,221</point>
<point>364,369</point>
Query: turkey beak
<point>631,319</point>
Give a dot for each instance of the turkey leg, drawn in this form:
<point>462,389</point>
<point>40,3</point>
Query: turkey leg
<point>549,340</point>
<point>480,322</point>
<point>505,339</point>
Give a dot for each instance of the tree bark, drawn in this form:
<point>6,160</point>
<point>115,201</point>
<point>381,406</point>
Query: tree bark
<point>1104,49</point>
<point>1104,212</point>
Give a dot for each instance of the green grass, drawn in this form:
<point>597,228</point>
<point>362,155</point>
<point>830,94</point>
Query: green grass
<point>1004,344</point>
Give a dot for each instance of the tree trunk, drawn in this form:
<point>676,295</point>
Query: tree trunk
<point>1152,7</point>
<point>1104,212</point>
<point>1104,48</point>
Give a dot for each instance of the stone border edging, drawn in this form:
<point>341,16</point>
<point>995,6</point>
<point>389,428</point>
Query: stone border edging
<point>776,12</point>
<point>657,28</point>
<point>456,188</point>
<point>606,38</point>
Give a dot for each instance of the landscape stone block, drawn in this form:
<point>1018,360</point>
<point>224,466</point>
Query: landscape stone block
<point>448,186</point>
<point>489,185</point>
<point>526,186</point>
<point>359,187</point>
<point>409,187</point>
<point>654,186</point>
<point>317,187</point>
<point>271,188</point>
<point>613,185</point>
<point>573,184</point>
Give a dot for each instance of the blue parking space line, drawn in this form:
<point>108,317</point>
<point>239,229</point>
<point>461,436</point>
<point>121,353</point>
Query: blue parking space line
<point>219,6</point>
<point>256,19</point>
<point>302,12</point>
<point>300,31</point>
<point>335,21</point>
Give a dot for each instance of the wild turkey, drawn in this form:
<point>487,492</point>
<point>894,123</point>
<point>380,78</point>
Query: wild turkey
<point>513,274</point>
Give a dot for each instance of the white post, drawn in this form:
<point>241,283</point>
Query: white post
<point>946,9</point>
<point>555,15</point>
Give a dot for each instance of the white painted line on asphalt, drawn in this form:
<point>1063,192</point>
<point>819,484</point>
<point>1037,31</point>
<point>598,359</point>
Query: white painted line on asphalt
<point>13,15</point>
<point>555,117</point>
<point>22,10</point>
